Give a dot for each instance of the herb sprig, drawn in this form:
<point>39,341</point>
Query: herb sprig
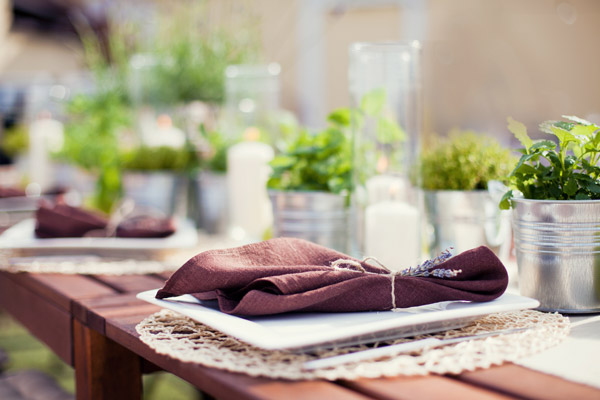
<point>568,170</point>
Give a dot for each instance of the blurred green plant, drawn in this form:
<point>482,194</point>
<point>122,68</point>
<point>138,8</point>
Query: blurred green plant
<point>465,160</point>
<point>15,140</point>
<point>316,162</point>
<point>568,170</point>
<point>214,156</point>
<point>159,159</point>
<point>193,51</point>
<point>92,140</point>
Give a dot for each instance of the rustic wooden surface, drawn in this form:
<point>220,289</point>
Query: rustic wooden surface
<point>89,321</point>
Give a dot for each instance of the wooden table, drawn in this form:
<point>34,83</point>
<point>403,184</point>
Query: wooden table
<point>89,321</point>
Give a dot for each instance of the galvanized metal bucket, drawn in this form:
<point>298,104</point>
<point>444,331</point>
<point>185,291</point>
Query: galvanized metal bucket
<point>319,217</point>
<point>466,219</point>
<point>163,191</point>
<point>558,253</point>
<point>211,202</point>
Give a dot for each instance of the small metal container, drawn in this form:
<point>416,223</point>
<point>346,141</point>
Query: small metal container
<point>211,202</point>
<point>160,190</point>
<point>558,253</point>
<point>319,217</point>
<point>466,219</point>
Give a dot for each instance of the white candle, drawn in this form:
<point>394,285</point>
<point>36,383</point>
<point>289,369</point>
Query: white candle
<point>45,136</point>
<point>247,174</point>
<point>385,187</point>
<point>392,234</point>
<point>161,132</point>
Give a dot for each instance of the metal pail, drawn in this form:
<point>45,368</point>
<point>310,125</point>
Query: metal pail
<point>163,191</point>
<point>466,219</point>
<point>558,253</point>
<point>211,202</point>
<point>319,217</point>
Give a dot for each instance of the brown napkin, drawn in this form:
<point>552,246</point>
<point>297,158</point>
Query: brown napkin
<point>146,227</point>
<point>60,220</point>
<point>11,192</point>
<point>282,275</point>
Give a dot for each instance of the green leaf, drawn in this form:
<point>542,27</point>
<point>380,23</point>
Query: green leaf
<point>388,131</point>
<point>584,130</point>
<point>543,145</point>
<point>571,187</point>
<point>505,201</point>
<point>373,102</point>
<point>582,196</point>
<point>564,137</point>
<point>341,116</point>
<point>593,187</point>
<point>520,131</point>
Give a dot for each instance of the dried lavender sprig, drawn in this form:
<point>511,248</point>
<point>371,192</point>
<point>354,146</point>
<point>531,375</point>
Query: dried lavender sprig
<point>427,267</point>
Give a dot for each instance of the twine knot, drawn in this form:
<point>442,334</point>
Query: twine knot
<point>425,269</point>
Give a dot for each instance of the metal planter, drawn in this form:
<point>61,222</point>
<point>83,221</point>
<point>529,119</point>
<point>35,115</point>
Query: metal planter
<point>319,217</point>
<point>211,202</point>
<point>466,219</point>
<point>160,190</point>
<point>558,253</point>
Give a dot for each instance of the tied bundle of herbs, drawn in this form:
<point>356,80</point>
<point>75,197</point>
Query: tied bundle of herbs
<point>567,170</point>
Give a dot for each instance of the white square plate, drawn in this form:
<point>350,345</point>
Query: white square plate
<point>309,331</point>
<point>21,236</point>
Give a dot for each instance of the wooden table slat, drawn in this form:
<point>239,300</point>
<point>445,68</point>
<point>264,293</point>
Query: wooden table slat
<point>526,383</point>
<point>431,387</point>
<point>43,319</point>
<point>61,289</point>
<point>131,283</point>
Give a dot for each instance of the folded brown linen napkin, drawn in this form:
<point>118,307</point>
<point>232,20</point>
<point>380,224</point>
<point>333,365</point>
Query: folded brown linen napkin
<point>6,191</point>
<point>59,220</point>
<point>283,275</point>
<point>144,226</point>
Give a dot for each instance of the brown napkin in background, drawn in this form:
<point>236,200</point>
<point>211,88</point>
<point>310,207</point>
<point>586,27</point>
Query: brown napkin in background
<point>11,192</point>
<point>282,275</point>
<point>61,220</point>
<point>143,226</point>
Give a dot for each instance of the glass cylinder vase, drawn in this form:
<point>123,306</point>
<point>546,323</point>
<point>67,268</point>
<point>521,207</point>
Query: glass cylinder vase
<point>385,87</point>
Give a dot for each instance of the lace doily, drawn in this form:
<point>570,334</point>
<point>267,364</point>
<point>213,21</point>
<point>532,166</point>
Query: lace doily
<point>182,338</point>
<point>87,265</point>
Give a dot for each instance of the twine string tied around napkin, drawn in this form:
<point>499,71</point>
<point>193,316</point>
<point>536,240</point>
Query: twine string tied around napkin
<point>425,269</point>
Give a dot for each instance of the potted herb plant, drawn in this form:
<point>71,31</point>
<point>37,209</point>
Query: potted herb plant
<point>555,197</point>
<point>157,177</point>
<point>310,184</point>
<point>455,174</point>
<point>211,182</point>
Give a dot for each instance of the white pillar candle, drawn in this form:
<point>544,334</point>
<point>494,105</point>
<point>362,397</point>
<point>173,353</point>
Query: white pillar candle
<point>247,174</point>
<point>45,136</point>
<point>392,234</point>
<point>385,187</point>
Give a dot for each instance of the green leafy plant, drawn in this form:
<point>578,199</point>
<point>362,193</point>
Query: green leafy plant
<point>15,141</point>
<point>568,170</point>
<point>316,162</point>
<point>214,154</point>
<point>92,140</point>
<point>465,160</point>
<point>159,159</point>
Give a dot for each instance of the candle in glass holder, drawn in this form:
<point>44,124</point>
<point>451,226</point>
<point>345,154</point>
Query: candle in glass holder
<point>247,174</point>
<point>392,234</point>
<point>45,137</point>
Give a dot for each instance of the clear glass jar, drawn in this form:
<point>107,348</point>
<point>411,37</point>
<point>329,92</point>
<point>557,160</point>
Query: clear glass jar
<point>385,86</point>
<point>251,99</point>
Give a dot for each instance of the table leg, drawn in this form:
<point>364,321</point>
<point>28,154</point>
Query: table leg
<point>103,368</point>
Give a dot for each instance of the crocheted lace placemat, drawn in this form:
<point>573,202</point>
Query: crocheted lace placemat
<point>87,265</point>
<point>182,338</point>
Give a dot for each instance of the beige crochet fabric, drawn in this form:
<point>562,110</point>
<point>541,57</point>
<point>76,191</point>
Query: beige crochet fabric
<point>87,265</point>
<point>180,337</point>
